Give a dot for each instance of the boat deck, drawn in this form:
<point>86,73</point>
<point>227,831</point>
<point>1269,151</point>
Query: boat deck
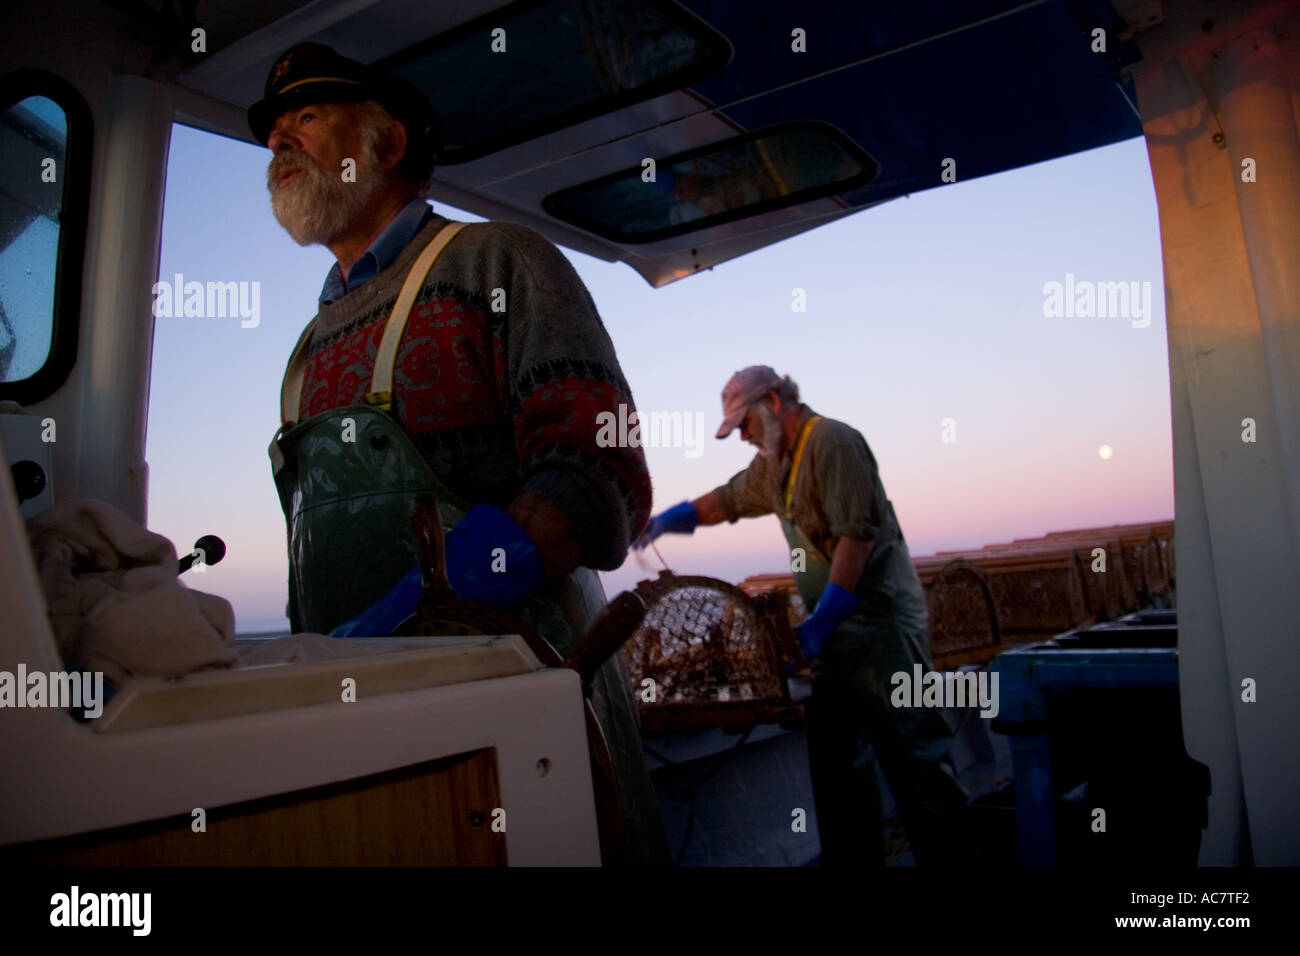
<point>727,799</point>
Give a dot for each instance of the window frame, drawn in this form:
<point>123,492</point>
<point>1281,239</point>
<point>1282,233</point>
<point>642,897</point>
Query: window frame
<point>870,170</point>
<point>718,53</point>
<point>74,214</point>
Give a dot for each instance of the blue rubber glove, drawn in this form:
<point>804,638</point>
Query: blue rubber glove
<point>833,609</point>
<point>469,546</point>
<point>679,519</point>
<point>392,609</point>
<point>475,573</point>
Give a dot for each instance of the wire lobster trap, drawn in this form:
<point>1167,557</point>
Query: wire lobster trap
<point>717,657</point>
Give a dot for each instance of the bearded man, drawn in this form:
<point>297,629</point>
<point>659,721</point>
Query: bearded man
<point>868,622</point>
<point>467,363</point>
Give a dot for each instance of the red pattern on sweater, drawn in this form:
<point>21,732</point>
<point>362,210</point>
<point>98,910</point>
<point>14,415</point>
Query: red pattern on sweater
<point>496,403</point>
<point>450,371</point>
<point>439,383</point>
<point>564,412</point>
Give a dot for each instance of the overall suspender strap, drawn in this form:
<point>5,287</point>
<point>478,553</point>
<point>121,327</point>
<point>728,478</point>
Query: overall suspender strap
<point>291,387</point>
<point>381,383</point>
<point>798,457</point>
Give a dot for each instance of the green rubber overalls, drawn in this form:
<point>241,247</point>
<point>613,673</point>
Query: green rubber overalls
<point>346,479</point>
<point>850,721</point>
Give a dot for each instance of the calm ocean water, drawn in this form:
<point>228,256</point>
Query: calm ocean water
<point>248,627</point>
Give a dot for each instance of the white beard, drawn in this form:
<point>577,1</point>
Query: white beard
<point>770,443</point>
<point>316,207</point>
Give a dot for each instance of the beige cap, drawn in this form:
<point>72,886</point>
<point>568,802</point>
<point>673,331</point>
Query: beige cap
<point>745,388</point>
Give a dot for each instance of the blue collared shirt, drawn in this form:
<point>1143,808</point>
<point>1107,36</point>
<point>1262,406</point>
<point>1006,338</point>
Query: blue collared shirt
<point>386,247</point>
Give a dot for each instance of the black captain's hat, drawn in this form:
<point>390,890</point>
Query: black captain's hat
<point>314,73</point>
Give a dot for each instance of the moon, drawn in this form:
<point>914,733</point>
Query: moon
<point>1105,452</point>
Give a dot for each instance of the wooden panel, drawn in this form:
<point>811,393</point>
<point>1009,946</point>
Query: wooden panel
<point>432,814</point>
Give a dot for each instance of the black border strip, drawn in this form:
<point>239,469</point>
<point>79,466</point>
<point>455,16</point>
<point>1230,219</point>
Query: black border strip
<point>73,216</point>
<point>870,170</point>
<point>716,50</point>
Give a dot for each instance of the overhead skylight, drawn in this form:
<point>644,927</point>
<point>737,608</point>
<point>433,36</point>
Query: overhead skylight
<point>751,174</point>
<point>536,67</point>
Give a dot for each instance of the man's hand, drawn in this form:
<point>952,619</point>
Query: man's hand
<point>833,609</point>
<point>384,615</point>
<point>679,519</point>
<point>491,559</point>
<point>473,562</point>
<point>550,529</point>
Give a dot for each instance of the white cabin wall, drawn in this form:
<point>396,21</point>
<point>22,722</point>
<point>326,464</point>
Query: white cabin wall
<point>114,360</point>
<point>1210,97</point>
<point>100,410</point>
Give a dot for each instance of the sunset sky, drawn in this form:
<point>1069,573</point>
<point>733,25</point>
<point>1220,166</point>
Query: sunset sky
<point>920,310</point>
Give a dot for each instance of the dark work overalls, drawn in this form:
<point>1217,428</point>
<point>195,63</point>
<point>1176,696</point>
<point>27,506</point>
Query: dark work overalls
<point>346,479</point>
<point>850,722</point>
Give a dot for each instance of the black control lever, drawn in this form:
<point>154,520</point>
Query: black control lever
<point>209,549</point>
<point>29,479</point>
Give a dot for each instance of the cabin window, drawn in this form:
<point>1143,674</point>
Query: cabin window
<point>534,68</point>
<point>751,174</point>
<point>44,142</point>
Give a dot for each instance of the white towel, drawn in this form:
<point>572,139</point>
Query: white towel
<point>115,602</point>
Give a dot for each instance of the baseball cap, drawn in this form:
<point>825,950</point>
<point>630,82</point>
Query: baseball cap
<point>745,387</point>
<point>314,73</point>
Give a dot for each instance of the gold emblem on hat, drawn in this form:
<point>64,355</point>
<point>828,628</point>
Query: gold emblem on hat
<point>282,67</point>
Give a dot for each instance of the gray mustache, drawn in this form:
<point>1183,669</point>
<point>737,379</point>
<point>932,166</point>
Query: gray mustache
<point>277,166</point>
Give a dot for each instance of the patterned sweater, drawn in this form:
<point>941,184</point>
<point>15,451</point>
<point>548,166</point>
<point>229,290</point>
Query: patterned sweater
<point>496,399</point>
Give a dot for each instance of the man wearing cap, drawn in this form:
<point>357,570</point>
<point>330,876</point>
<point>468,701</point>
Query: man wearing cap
<point>852,567</point>
<point>463,361</point>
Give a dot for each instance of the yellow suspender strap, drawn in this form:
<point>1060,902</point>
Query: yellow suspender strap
<point>381,383</point>
<point>291,387</point>
<point>798,457</point>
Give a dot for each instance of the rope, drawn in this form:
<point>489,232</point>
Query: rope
<point>660,557</point>
<point>691,792</point>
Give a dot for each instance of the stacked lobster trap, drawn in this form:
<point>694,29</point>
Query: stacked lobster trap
<point>717,656</point>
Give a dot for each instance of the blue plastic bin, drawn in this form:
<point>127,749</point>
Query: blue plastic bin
<point>1094,726</point>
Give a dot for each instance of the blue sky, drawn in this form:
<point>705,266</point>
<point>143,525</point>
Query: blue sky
<point>921,310</point>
